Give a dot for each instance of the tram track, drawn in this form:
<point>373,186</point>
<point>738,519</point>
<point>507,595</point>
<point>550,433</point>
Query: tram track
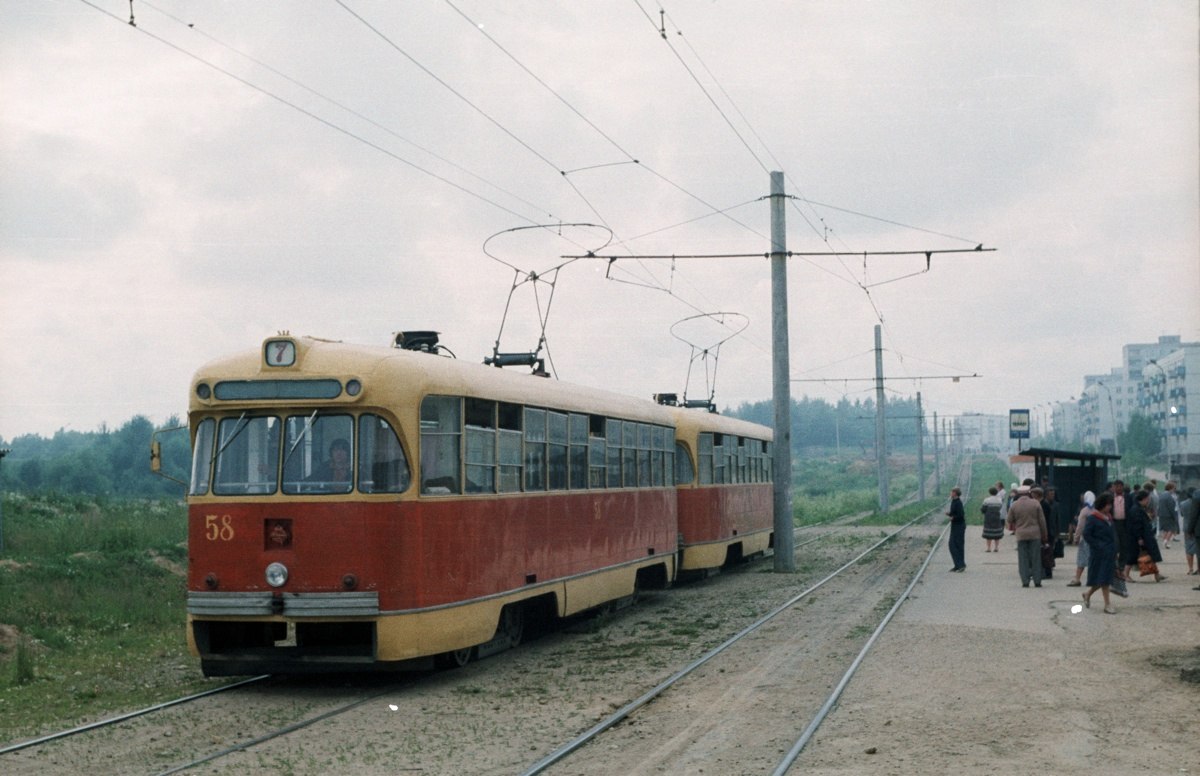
<point>684,737</point>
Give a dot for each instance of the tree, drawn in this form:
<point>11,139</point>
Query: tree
<point>1140,440</point>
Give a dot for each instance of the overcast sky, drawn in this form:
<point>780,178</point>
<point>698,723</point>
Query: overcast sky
<point>178,190</point>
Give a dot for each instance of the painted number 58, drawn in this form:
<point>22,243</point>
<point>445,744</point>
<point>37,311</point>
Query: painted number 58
<point>218,528</point>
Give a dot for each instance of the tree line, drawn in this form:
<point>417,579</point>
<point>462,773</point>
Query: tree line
<point>102,462</point>
<point>117,462</point>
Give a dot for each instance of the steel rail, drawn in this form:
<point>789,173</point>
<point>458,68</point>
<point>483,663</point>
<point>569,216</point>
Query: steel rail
<point>786,763</point>
<point>283,731</point>
<point>130,715</point>
<point>623,712</point>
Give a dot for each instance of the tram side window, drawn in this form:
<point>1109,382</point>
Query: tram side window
<point>318,454</point>
<point>613,443</point>
<point>658,456</point>
<point>441,435</point>
<point>557,461</point>
<point>719,470</point>
<point>535,449</point>
<point>202,455</point>
<point>705,458</point>
<point>684,473</point>
<point>597,453</point>
<point>629,454</point>
<point>481,446</point>
<point>512,439</point>
<point>768,461</point>
<point>669,456</point>
<point>247,456</point>
<point>382,465</point>
<point>579,451</point>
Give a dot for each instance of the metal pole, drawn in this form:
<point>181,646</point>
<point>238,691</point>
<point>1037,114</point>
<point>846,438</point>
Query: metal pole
<point>785,550</point>
<point>937,463</point>
<point>880,424</point>
<point>3,452</point>
<point>920,450</point>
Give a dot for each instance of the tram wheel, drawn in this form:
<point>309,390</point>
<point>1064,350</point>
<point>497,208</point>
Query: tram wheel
<point>512,625</point>
<point>454,659</point>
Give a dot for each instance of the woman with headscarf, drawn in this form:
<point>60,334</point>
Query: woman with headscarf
<point>1101,539</point>
<point>1140,526</point>
<point>1083,554</point>
<point>993,520</point>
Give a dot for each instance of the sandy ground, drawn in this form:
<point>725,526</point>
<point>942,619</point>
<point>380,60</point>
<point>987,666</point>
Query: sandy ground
<point>979,676</point>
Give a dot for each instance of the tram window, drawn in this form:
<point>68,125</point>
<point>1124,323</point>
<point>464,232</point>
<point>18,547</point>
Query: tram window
<point>612,458</point>
<point>510,461</point>
<point>317,454</point>
<point>705,459</point>
<point>481,445</point>
<point>643,468</point>
<point>557,460</point>
<point>613,461</point>
<point>557,470</point>
<point>382,465</point>
<point>535,449</point>
<point>629,466</point>
<point>719,471</point>
<point>578,455</point>
<point>441,432</point>
<point>669,456</point>
<point>247,456</point>
<point>481,460</point>
<point>684,473</point>
<point>202,455</point>
<point>597,462</point>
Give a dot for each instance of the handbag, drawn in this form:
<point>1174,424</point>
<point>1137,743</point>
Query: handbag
<point>1146,565</point>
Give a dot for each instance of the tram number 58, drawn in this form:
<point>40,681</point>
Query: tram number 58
<point>218,528</point>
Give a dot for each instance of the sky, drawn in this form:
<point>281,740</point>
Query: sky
<point>177,189</point>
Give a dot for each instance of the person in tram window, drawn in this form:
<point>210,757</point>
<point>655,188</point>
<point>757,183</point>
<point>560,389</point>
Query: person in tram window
<point>336,470</point>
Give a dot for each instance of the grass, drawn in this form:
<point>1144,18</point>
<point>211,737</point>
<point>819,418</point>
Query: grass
<point>91,610</point>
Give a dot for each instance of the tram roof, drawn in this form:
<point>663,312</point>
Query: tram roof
<point>412,372</point>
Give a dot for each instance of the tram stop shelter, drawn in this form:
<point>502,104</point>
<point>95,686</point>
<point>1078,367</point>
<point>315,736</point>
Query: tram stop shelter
<point>1071,474</point>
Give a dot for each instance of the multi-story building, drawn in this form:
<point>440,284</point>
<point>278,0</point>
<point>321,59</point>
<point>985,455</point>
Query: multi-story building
<point>1066,423</point>
<point>1168,384</point>
<point>1105,406</point>
<point>1155,379</point>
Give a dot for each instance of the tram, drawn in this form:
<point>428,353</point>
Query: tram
<point>725,501</point>
<point>356,508</point>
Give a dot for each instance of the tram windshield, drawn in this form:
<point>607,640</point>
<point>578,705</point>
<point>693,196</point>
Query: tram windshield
<point>298,454</point>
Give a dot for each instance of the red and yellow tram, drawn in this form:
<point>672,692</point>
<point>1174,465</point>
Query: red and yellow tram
<point>725,502</point>
<point>356,507</point>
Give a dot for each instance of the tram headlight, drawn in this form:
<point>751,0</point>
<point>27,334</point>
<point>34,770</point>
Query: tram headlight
<point>277,574</point>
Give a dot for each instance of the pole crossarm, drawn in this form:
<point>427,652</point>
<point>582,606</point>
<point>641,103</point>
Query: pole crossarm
<point>872,379</point>
<point>787,254</point>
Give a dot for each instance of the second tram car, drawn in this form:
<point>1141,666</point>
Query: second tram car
<point>356,508</point>
<point>725,499</point>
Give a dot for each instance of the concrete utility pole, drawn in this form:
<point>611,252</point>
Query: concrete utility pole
<point>937,463</point>
<point>781,373</point>
<point>880,425</point>
<point>920,450</point>
<point>3,452</point>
